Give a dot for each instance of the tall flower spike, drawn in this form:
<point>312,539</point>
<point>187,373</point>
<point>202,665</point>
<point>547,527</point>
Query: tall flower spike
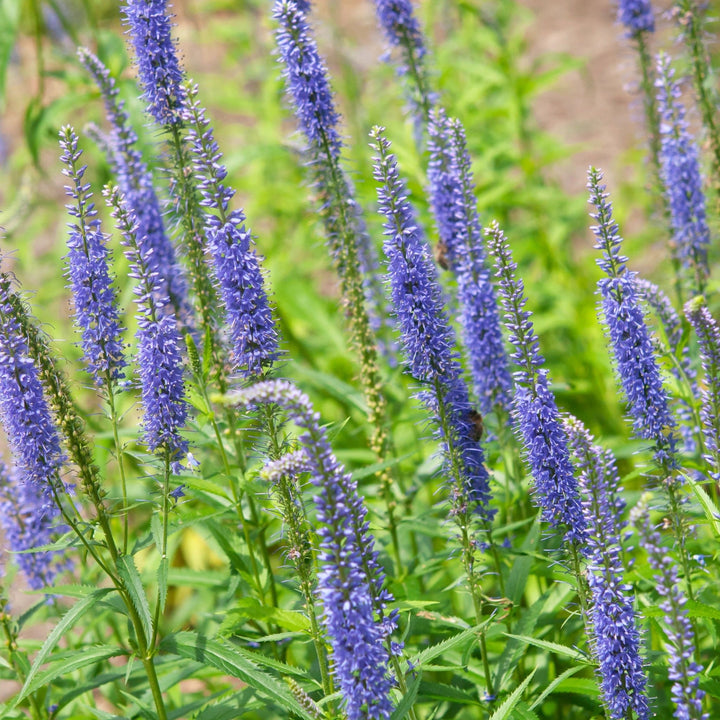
<point>28,519</point>
<point>237,267</point>
<point>150,29</point>
<point>308,87</point>
<point>683,369</point>
<point>350,581</point>
<point>402,32</point>
<point>427,337</point>
<point>96,312</point>
<point>306,79</point>
<point>637,16</point>
<point>455,208</point>
<point>136,184</point>
<point>681,177</point>
<point>30,429</point>
<point>537,420</point>
<point>616,639</point>
<point>159,354</point>
<point>635,359</point>
<point>708,335</point>
<point>684,671</point>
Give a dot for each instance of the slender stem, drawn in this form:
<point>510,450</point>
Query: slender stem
<point>164,543</point>
<point>693,33</point>
<point>120,455</point>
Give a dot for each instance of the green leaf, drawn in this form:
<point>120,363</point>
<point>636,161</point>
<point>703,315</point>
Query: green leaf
<point>408,700</point>
<point>513,699</point>
<point>436,650</point>
<point>131,580</point>
<point>555,648</point>
<point>522,565</point>
<point>229,660</point>
<point>551,687</point>
<point>66,662</point>
<point>708,506</point>
<point>162,579</point>
<point>68,620</point>
<point>514,649</point>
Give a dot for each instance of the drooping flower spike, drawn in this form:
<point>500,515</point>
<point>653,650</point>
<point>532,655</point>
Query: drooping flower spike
<point>28,520</point>
<point>95,298</point>
<point>428,339</point>
<point>161,77</point>
<point>136,184</point>
<point>35,445</point>
<point>683,183</point>
<point>159,356</point>
<point>350,579</point>
<point>455,208</point>
<point>635,360</point>
<point>615,635</point>
<point>537,419</point>
<point>253,334</point>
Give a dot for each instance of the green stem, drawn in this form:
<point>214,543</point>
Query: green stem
<point>693,34</point>
<point>120,455</point>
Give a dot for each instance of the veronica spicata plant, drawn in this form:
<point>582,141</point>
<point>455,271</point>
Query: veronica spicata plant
<point>227,503</point>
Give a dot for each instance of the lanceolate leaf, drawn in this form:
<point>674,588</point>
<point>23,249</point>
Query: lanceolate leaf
<point>69,619</point>
<point>131,580</point>
<point>211,652</point>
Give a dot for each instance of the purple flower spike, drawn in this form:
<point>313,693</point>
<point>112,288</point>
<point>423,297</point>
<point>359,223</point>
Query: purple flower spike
<point>306,80</point>
<point>537,420</point>
<point>159,357</point>
<point>680,163</point>
<point>136,184</point>
<point>35,445</point>
<point>29,519</point>
<point>635,359</point>
<point>237,267</point>
<point>616,638</point>
<point>684,671</point>
<point>708,335</point>
<point>455,208</point>
<point>150,29</point>
<point>637,16</point>
<point>350,580</point>
<point>96,312</point>
<point>402,32</point>
<point>427,337</point>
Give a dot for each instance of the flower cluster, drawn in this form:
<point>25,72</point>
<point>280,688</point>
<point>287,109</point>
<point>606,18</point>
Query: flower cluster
<point>534,407</point>
<point>96,312</point>
<point>427,337</point>
<point>159,355</point>
<point>615,632</point>
<point>708,335</point>
<point>681,177</point>
<point>306,79</point>
<point>159,71</point>
<point>684,671</point>
<point>237,267</point>
<point>28,508</point>
<point>637,16</point>
<point>455,208</point>
<point>350,580</point>
<point>136,184</point>
<point>635,358</point>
